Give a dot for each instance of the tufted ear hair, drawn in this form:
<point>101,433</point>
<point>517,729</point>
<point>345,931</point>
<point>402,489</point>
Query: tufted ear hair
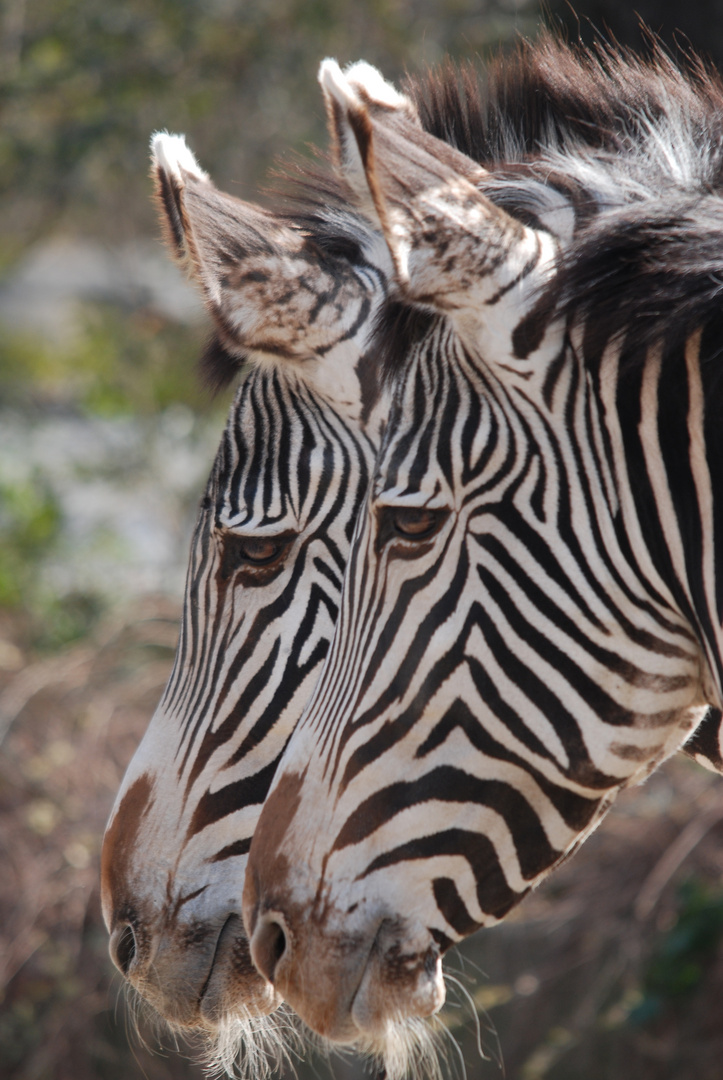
<point>361,91</point>
<point>269,288</point>
<point>453,249</point>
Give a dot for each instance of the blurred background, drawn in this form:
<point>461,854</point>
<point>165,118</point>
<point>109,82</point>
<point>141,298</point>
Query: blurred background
<point>615,968</point>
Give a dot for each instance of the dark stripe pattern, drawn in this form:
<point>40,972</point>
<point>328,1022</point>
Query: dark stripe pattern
<point>253,637</point>
<point>492,684</point>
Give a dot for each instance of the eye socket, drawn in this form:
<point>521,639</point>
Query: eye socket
<point>415,523</point>
<point>252,552</point>
<point>411,523</point>
<point>259,550</point>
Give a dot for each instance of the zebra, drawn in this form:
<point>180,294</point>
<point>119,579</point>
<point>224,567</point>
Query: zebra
<point>293,297</point>
<point>170,898</point>
<point>531,612</point>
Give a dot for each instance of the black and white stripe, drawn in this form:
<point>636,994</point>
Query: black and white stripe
<point>531,615</point>
<point>296,303</point>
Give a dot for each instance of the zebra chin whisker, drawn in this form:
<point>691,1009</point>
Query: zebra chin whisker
<point>240,1045</point>
<point>452,1049</point>
<point>412,1049</point>
<point>455,983</point>
<point>249,1047</point>
<point>139,1014</point>
<point>463,962</point>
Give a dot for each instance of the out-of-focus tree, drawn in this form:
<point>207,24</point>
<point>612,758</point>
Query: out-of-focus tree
<point>85,82</point>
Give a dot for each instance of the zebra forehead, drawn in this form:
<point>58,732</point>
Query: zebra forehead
<point>399,326</point>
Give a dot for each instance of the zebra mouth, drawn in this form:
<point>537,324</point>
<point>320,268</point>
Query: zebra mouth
<point>233,987</point>
<point>403,973</point>
<point>223,935</point>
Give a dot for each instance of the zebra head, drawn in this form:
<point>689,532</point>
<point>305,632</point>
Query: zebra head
<point>531,615</point>
<point>296,300</point>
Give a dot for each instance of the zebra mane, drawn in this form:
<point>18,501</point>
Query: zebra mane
<point>549,95</point>
<point>633,144</point>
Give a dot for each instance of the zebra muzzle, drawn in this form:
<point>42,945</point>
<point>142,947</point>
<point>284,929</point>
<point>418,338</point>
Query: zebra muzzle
<point>348,985</point>
<point>403,978</point>
<point>233,984</point>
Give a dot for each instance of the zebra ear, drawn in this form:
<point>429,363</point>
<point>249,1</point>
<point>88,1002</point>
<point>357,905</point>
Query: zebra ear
<point>358,92</point>
<point>172,163</point>
<point>452,248</point>
<point>262,279</point>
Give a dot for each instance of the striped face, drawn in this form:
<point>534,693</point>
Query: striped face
<point>262,591</point>
<point>522,629</point>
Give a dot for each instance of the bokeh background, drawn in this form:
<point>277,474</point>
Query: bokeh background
<point>615,967</point>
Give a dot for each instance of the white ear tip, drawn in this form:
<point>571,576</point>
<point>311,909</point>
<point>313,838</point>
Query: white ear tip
<point>334,84</point>
<point>374,84</point>
<point>171,154</point>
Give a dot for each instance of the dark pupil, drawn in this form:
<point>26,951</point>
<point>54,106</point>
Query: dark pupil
<point>414,523</point>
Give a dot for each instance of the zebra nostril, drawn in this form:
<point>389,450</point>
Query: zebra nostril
<point>269,944</point>
<point>123,948</point>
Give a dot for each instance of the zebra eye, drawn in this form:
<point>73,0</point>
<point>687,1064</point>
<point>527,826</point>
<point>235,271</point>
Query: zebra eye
<point>410,522</point>
<point>258,550</point>
<point>252,552</point>
<point>416,524</point>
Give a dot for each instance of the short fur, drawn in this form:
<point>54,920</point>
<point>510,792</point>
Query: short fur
<point>614,132</point>
<point>617,133</point>
<point>630,150</point>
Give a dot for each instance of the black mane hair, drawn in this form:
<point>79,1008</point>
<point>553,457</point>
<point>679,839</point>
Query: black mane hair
<point>634,143</point>
<point>548,94</point>
<point>636,146</point>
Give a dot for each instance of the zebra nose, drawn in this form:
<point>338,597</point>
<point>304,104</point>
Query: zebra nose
<point>123,947</point>
<point>269,943</point>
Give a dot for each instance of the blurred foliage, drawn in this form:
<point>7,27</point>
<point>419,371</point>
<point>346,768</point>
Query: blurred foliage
<point>30,530</point>
<point>119,362</point>
<point>57,621</point>
<point>681,956</point>
<point>85,82</point>
<point>139,363</point>
<point>29,526</point>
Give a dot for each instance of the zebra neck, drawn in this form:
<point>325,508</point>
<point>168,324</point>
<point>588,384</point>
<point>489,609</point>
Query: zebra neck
<point>669,476</point>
